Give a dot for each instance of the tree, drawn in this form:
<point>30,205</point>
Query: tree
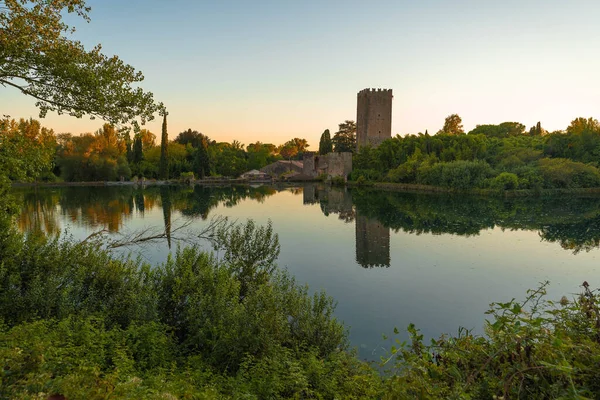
<point>537,130</point>
<point>581,125</point>
<point>163,169</point>
<point>38,58</point>
<point>288,151</point>
<point>202,159</point>
<point>300,144</point>
<point>148,139</point>
<point>325,144</point>
<point>260,154</point>
<point>453,125</point>
<point>344,139</point>
<point>502,130</point>
<point>194,138</point>
<point>138,153</point>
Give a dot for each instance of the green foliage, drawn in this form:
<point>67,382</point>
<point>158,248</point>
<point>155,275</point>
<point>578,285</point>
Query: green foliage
<point>461,175</point>
<point>562,173</point>
<point>138,153</point>
<point>503,130</point>
<point>79,323</point>
<point>201,158</point>
<point>249,251</point>
<point>366,174</point>
<point>325,143</point>
<point>187,177</point>
<point>534,158</point>
<point>505,181</point>
<point>344,140</point>
<point>535,349</point>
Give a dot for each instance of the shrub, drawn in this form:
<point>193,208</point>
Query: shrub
<point>186,177</point>
<point>78,322</point>
<point>368,174</point>
<point>461,175</point>
<point>535,349</point>
<point>563,173</point>
<point>505,181</point>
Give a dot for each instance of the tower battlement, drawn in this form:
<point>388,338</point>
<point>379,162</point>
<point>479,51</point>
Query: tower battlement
<point>367,92</point>
<point>373,117</point>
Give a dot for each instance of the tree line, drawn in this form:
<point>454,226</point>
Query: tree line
<point>506,156</point>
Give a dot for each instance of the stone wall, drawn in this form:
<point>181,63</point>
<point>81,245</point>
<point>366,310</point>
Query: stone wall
<point>373,117</point>
<point>332,164</point>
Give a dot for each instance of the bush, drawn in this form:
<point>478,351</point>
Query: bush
<point>461,175</point>
<point>535,349</point>
<point>186,177</point>
<point>563,173</point>
<point>78,322</point>
<point>368,174</point>
<point>505,181</point>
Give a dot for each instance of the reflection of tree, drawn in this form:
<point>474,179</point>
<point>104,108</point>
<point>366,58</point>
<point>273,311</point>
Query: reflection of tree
<point>165,197</point>
<point>98,206</point>
<point>576,237</point>
<point>38,212</point>
<point>202,199</point>
<point>139,201</point>
<point>93,206</point>
<point>575,223</point>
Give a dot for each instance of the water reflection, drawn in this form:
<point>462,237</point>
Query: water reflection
<point>573,223</point>
<point>372,240</point>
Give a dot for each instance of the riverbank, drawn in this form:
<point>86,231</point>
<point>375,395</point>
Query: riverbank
<point>388,186</point>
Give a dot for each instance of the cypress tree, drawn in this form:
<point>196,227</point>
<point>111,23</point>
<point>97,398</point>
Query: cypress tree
<point>325,144</point>
<point>163,169</point>
<point>138,154</point>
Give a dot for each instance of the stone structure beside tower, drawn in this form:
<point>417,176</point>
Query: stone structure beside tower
<point>373,117</point>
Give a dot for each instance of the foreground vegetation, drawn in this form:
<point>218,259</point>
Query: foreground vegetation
<point>78,322</point>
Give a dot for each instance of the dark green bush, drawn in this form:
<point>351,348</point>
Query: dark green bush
<point>563,173</point>
<point>505,181</point>
<point>461,175</point>
<point>367,174</point>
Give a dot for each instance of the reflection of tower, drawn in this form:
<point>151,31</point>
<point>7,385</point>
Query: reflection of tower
<point>309,194</point>
<point>372,243</point>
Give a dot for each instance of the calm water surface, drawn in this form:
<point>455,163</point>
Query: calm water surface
<point>388,258</point>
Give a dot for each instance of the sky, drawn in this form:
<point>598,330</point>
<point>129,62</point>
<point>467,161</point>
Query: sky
<point>271,70</point>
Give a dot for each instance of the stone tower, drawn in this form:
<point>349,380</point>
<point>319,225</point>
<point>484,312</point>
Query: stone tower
<point>373,117</point>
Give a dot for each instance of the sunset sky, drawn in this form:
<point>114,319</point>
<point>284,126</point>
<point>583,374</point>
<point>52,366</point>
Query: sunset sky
<point>274,70</point>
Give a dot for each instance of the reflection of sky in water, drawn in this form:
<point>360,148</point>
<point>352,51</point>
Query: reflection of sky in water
<point>439,282</point>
